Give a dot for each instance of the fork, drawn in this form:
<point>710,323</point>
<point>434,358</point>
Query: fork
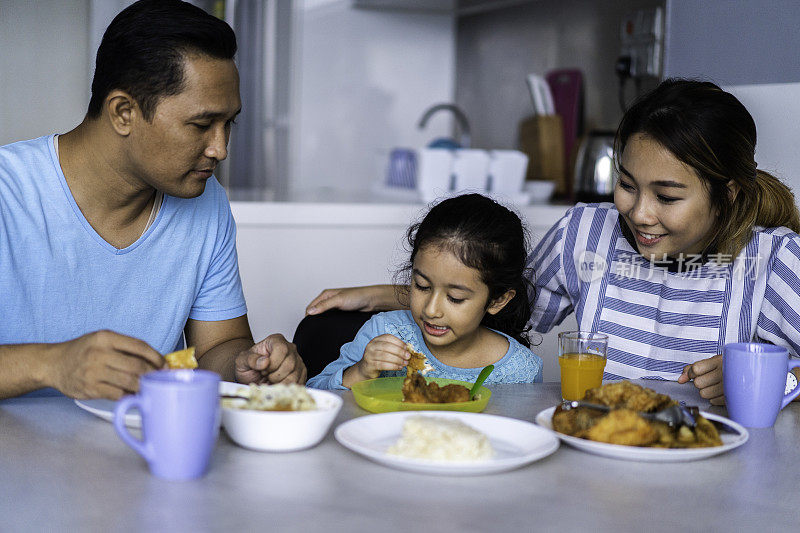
<point>674,415</point>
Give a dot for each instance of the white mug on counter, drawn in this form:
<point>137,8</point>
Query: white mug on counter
<point>507,171</point>
<point>434,170</point>
<point>470,170</point>
<point>443,172</point>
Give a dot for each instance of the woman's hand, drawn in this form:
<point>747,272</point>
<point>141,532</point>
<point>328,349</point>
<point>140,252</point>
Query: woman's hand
<point>384,352</point>
<point>707,376</point>
<point>369,298</point>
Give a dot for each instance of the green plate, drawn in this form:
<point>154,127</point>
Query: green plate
<point>383,395</point>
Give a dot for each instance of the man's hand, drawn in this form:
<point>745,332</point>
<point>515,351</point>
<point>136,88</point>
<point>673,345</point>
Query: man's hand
<point>707,376</point>
<point>370,298</point>
<point>273,360</point>
<point>102,364</point>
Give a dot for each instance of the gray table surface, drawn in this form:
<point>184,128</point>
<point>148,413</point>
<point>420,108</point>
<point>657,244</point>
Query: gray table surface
<point>63,469</point>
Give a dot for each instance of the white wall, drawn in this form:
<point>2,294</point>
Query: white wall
<point>44,67</point>
<point>775,108</point>
<point>363,80</point>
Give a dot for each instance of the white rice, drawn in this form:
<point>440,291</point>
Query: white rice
<point>291,397</point>
<point>441,439</point>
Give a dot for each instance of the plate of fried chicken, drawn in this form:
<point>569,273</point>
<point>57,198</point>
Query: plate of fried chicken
<point>414,392</point>
<point>622,433</point>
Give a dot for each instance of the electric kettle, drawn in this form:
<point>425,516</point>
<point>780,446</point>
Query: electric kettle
<point>595,173</point>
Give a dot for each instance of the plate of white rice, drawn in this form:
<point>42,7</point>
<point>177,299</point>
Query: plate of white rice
<point>447,442</point>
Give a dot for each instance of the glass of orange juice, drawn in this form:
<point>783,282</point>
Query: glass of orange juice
<point>582,358</point>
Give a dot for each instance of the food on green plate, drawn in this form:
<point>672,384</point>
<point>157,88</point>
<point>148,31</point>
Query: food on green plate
<point>417,390</point>
<point>291,397</point>
<point>441,439</point>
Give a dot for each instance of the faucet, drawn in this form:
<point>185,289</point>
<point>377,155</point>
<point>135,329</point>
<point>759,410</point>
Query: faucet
<point>461,118</point>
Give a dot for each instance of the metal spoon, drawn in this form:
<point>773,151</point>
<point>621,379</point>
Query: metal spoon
<point>481,378</point>
<point>233,397</point>
<point>674,415</point>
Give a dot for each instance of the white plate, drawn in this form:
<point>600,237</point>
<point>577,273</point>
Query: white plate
<point>654,455</point>
<point>515,442</point>
<point>105,408</point>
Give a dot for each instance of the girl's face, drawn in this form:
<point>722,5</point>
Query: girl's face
<point>448,299</point>
<point>662,201</point>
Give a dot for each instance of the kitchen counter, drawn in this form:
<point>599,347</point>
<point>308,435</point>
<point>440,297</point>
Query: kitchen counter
<point>346,212</point>
<point>63,469</point>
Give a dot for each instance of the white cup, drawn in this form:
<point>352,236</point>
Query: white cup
<point>507,170</point>
<point>434,169</point>
<point>470,170</point>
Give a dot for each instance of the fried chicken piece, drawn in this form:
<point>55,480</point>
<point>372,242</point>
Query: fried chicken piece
<point>623,426</point>
<point>575,422</point>
<point>417,363</point>
<point>181,359</point>
<point>414,389</point>
<point>705,434</point>
<point>626,395</point>
<point>449,393</point>
<point>417,390</point>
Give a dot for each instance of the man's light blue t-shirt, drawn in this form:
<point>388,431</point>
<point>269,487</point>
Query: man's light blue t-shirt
<point>518,365</point>
<point>59,279</point>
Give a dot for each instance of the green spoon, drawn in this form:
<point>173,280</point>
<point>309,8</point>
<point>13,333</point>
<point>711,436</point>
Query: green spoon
<point>481,378</point>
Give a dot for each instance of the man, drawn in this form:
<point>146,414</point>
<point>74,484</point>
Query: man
<point>115,244</point>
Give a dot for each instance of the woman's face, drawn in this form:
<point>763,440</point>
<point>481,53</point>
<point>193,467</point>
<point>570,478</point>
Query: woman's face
<point>663,202</point>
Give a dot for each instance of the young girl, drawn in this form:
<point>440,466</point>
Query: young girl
<point>699,249</point>
<point>466,289</point>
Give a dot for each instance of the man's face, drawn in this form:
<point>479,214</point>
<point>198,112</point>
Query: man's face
<point>178,149</point>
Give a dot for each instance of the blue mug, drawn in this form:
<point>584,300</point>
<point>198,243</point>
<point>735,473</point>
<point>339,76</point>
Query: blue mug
<point>180,421</point>
<point>402,170</point>
<point>754,377</point>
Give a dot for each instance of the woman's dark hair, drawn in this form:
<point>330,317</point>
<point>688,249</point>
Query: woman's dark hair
<point>713,133</point>
<point>143,50</point>
<point>485,236</point>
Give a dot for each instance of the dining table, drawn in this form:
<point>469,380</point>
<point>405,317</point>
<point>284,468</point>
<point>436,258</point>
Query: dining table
<point>64,469</point>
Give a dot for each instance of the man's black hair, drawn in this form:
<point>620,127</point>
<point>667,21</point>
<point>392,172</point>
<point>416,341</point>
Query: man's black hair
<point>143,50</point>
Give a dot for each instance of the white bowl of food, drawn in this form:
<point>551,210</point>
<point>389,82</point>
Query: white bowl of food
<point>278,418</point>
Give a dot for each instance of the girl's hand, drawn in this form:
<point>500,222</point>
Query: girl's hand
<point>707,376</point>
<point>384,352</point>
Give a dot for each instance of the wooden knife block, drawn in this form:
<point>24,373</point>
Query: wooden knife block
<point>541,137</point>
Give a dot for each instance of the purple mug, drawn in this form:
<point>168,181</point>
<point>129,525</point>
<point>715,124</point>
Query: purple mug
<point>180,421</point>
<point>754,377</point>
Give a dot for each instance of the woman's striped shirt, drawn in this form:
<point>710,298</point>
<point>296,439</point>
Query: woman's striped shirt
<point>657,320</point>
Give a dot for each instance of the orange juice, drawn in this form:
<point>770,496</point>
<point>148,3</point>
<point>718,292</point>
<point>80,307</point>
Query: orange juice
<point>580,372</point>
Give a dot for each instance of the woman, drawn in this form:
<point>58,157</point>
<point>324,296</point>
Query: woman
<point>699,249</point>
